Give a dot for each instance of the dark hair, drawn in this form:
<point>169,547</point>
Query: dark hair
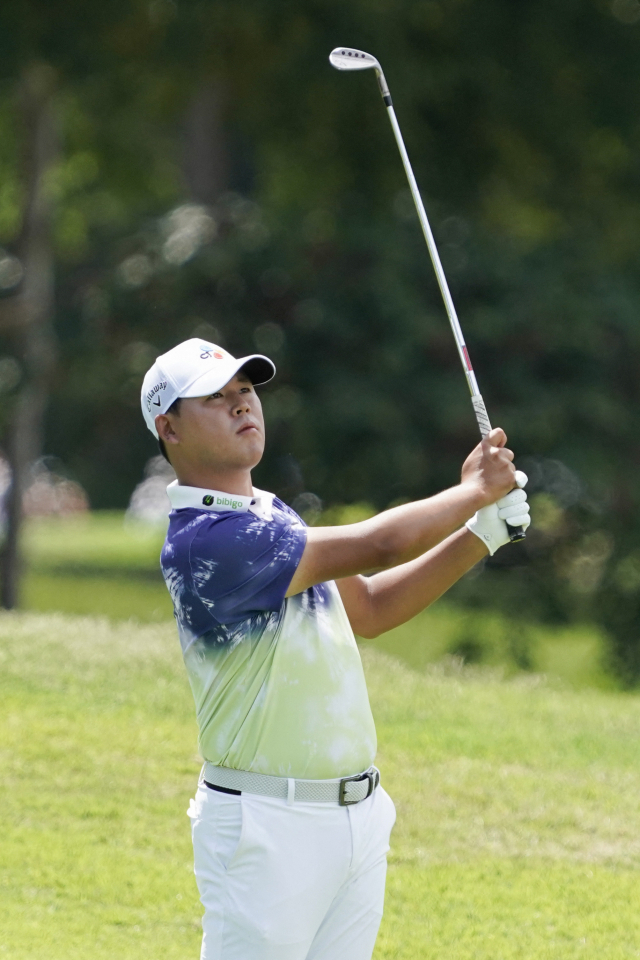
<point>174,408</point>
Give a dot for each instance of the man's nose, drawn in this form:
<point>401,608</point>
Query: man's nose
<point>242,406</point>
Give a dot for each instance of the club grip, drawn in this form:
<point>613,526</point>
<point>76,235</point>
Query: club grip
<point>516,534</point>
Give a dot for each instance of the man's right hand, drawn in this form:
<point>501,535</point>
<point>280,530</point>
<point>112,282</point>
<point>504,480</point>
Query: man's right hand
<point>489,469</point>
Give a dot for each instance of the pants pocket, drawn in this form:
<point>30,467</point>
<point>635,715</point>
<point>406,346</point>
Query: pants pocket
<point>216,829</point>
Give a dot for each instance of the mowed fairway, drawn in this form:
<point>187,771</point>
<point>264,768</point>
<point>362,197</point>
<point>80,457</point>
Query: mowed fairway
<point>518,829</point>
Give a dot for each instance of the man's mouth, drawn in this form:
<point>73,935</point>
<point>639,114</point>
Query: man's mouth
<point>247,427</point>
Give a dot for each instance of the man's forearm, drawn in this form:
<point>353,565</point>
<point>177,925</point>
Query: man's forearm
<point>395,596</point>
<point>406,532</point>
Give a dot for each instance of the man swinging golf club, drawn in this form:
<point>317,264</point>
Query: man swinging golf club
<point>290,824</point>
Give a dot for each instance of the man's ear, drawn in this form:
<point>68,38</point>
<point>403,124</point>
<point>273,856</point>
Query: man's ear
<point>166,433</point>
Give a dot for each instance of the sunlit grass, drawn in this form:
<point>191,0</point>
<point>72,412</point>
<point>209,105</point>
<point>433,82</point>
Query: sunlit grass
<point>95,563</point>
<point>112,596</point>
<point>518,829</point>
<point>101,540</point>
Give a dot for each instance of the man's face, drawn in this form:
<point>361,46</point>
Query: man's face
<point>224,430</point>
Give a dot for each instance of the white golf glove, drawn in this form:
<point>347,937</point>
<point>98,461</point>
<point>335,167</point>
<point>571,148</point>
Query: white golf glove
<point>490,523</point>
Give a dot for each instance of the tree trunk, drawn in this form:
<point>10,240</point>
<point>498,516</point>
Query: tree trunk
<point>205,160</point>
<point>32,326</point>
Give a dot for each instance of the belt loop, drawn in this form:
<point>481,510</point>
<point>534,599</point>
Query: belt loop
<point>291,791</point>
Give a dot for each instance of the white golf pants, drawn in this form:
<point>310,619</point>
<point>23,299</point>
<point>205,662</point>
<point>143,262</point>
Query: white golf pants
<point>289,882</point>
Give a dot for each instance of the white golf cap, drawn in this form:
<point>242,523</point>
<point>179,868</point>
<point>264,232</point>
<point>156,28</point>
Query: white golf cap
<point>195,368</point>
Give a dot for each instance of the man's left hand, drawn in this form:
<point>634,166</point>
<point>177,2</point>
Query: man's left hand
<point>491,524</point>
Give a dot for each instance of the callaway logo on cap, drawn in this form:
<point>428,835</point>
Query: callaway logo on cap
<point>195,368</point>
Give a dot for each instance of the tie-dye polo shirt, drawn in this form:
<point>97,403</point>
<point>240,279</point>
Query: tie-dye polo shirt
<point>278,682</point>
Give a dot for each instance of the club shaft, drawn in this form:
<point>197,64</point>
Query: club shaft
<point>348,58</point>
<point>476,398</point>
<point>484,424</point>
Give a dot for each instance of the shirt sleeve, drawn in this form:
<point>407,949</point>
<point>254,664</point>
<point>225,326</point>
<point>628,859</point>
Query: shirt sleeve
<point>242,565</point>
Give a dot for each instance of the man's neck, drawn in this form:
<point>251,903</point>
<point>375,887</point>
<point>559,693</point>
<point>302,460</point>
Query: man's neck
<point>228,481</point>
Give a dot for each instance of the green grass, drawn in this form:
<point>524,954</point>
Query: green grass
<point>96,564</point>
<point>103,540</point>
<point>518,829</point>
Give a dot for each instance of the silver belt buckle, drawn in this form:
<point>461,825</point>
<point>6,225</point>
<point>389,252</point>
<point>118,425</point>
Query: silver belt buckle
<point>373,776</point>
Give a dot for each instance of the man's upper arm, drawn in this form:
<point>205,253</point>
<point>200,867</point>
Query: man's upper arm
<point>333,553</point>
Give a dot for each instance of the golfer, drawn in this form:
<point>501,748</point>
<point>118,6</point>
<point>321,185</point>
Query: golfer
<point>290,824</point>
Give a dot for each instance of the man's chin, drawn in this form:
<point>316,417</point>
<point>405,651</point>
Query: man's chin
<point>246,460</point>
<point>253,453</point>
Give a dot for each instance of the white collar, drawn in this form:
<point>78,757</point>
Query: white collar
<point>260,503</point>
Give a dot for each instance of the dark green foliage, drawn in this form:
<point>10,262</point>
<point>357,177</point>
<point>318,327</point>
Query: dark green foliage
<point>523,127</point>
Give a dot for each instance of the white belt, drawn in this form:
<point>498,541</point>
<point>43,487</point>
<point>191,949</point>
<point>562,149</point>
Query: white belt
<point>345,792</point>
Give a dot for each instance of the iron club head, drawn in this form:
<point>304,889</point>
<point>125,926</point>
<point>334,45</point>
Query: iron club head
<point>347,58</point>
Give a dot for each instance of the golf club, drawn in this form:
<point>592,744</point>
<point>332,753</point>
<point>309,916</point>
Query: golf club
<point>346,58</point>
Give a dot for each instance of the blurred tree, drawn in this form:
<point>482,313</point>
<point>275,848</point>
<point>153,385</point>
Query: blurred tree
<point>28,316</point>
<point>50,55</point>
